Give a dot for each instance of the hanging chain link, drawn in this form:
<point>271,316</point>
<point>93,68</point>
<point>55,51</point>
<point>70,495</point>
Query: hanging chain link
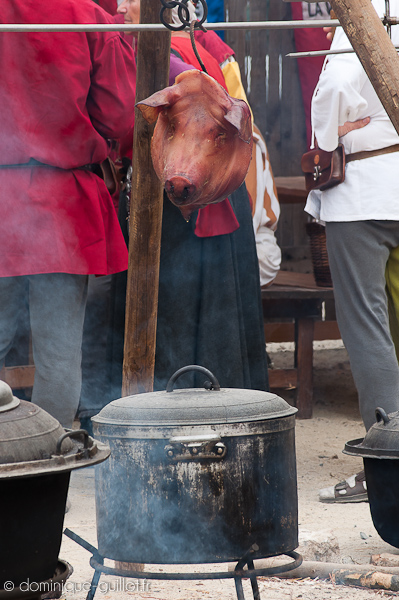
<point>183,12</point>
<point>387,17</point>
<point>388,21</point>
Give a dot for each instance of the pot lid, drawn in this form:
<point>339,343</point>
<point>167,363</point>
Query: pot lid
<point>32,442</point>
<point>381,440</point>
<point>194,406</point>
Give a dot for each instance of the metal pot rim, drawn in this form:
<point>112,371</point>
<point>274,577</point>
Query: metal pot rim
<point>381,440</point>
<point>356,448</point>
<point>190,422</point>
<point>77,458</point>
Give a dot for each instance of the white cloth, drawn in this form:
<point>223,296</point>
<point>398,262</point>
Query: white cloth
<point>269,254</point>
<point>344,93</point>
<point>266,214</point>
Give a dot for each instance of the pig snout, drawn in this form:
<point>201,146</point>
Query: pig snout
<point>180,190</point>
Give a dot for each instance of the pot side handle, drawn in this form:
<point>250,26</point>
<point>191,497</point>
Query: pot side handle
<point>82,433</point>
<point>201,446</point>
<point>213,384</point>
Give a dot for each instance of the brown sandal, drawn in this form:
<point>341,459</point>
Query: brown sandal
<point>353,489</point>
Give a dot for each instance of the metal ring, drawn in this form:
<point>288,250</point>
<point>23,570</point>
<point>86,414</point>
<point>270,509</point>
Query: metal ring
<point>244,574</point>
<point>184,14</point>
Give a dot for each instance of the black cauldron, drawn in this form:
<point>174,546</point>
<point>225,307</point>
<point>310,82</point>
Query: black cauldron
<point>380,452</point>
<point>36,458</point>
<point>196,475</point>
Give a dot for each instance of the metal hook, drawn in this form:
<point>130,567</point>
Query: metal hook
<point>183,12</point>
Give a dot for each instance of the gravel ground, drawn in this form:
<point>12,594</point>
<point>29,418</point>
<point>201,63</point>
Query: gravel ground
<point>320,463</point>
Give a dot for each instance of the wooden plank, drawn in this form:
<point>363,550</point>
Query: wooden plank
<point>275,97</point>
<point>283,378</point>
<point>294,279</point>
<point>291,190</point>
<point>285,332</point>
<point>145,216</point>
<point>18,377</point>
<point>276,292</point>
<point>271,80</point>
<point>235,11</point>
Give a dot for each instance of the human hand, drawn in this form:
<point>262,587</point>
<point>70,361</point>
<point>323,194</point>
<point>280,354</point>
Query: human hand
<point>329,31</point>
<point>352,125</point>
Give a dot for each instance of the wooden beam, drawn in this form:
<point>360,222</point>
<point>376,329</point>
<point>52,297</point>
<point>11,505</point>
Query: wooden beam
<point>145,216</point>
<point>375,50</point>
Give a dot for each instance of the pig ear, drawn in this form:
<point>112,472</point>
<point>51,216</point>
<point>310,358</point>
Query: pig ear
<point>239,116</point>
<point>152,106</point>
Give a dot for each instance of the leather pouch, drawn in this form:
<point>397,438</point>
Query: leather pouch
<point>322,169</point>
<point>110,175</point>
<point>106,171</point>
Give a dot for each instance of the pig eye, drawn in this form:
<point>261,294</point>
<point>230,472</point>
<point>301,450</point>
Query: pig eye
<point>220,139</point>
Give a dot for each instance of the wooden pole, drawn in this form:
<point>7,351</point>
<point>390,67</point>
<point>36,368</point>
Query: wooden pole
<point>375,50</point>
<point>145,215</point>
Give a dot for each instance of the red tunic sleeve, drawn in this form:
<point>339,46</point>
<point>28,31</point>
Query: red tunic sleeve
<point>109,5</point>
<point>62,96</point>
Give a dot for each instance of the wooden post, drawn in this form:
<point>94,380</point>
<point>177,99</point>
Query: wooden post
<point>375,50</point>
<point>145,215</point>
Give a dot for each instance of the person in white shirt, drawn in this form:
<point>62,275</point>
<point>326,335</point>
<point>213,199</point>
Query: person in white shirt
<point>362,226</point>
<point>265,209</point>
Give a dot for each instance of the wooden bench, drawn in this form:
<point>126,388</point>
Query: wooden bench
<point>296,297</point>
<point>18,377</point>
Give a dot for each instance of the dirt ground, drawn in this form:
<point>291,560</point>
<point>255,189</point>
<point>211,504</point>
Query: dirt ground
<point>351,535</point>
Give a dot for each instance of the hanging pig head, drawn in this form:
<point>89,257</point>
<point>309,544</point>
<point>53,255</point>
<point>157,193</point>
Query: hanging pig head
<point>202,142</point>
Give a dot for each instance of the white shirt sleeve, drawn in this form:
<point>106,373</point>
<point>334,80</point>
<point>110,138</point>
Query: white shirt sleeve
<point>338,98</point>
<point>269,254</point>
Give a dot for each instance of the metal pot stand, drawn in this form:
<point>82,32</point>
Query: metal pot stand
<point>238,574</point>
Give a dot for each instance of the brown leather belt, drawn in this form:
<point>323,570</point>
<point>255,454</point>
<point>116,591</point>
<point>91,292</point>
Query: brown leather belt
<point>93,167</point>
<point>370,153</point>
<point>106,171</point>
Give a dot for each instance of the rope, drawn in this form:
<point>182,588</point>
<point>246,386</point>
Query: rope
<point>192,26</point>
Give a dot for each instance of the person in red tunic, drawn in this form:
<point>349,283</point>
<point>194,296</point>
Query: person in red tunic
<point>109,5</point>
<point>61,100</point>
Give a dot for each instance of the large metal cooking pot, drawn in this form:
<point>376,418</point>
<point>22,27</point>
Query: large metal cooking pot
<point>380,452</point>
<point>196,475</point>
<point>36,458</point>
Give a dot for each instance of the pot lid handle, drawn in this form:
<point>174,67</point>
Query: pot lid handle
<point>213,384</point>
<point>7,400</point>
<point>381,415</point>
